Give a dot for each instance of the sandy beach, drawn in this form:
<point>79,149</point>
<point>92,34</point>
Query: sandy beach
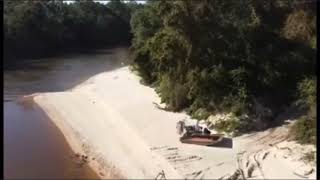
<point>112,118</point>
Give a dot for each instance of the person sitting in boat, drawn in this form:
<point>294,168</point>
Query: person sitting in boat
<point>181,127</point>
<point>206,131</point>
<point>198,128</point>
<point>202,129</point>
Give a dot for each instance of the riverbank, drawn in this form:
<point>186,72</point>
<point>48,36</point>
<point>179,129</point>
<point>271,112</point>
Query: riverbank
<point>113,119</point>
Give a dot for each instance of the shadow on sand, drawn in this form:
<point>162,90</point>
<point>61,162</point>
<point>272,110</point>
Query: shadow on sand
<point>225,143</point>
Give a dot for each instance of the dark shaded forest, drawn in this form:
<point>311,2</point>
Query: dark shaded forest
<point>42,28</point>
<point>250,58</point>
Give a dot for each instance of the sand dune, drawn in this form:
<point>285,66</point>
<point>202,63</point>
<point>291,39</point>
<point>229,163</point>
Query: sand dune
<point>113,118</point>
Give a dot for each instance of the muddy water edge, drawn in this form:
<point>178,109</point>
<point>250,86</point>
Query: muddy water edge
<point>33,146</point>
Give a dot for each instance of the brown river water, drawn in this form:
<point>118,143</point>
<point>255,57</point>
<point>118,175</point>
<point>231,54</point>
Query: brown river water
<point>34,148</point>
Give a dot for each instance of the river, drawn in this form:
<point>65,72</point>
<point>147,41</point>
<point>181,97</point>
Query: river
<point>33,146</point>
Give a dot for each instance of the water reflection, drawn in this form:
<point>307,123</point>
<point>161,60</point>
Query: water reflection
<point>59,73</point>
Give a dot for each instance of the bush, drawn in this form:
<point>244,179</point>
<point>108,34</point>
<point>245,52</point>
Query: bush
<point>173,93</point>
<point>308,91</point>
<point>309,157</point>
<point>200,113</point>
<point>143,66</point>
<point>304,130</point>
<point>300,26</point>
<point>236,125</point>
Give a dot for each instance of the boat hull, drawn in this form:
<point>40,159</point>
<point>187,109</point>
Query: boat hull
<point>200,139</point>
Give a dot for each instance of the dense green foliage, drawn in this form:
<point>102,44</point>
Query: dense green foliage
<point>225,56</point>
<point>304,130</point>
<point>36,28</point>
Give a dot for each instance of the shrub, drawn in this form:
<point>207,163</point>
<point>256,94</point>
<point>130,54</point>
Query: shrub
<point>299,26</point>
<point>309,156</point>
<point>172,93</point>
<point>200,113</point>
<point>236,125</point>
<point>304,130</point>
<point>308,91</point>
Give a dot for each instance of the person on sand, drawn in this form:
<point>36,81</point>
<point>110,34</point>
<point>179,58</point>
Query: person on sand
<point>183,129</point>
<point>180,127</point>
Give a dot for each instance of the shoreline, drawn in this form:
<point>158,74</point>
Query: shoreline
<point>114,116</point>
<point>72,139</point>
<point>83,149</point>
<point>31,136</point>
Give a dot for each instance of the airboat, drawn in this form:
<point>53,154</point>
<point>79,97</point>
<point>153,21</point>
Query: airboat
<point>197,135</point>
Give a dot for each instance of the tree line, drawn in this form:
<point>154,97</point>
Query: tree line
<point>41,28</point>
<point>246,57</point>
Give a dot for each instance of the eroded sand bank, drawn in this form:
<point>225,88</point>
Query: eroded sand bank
<point>114,120</point>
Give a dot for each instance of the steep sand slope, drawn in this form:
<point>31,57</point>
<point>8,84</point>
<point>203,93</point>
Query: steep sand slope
<point>113,118</point>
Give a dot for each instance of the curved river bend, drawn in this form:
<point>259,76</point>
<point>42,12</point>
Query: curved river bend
<point>33,146</point>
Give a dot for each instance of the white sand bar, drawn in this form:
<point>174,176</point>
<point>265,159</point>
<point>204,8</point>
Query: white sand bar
<point>113,118</point>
